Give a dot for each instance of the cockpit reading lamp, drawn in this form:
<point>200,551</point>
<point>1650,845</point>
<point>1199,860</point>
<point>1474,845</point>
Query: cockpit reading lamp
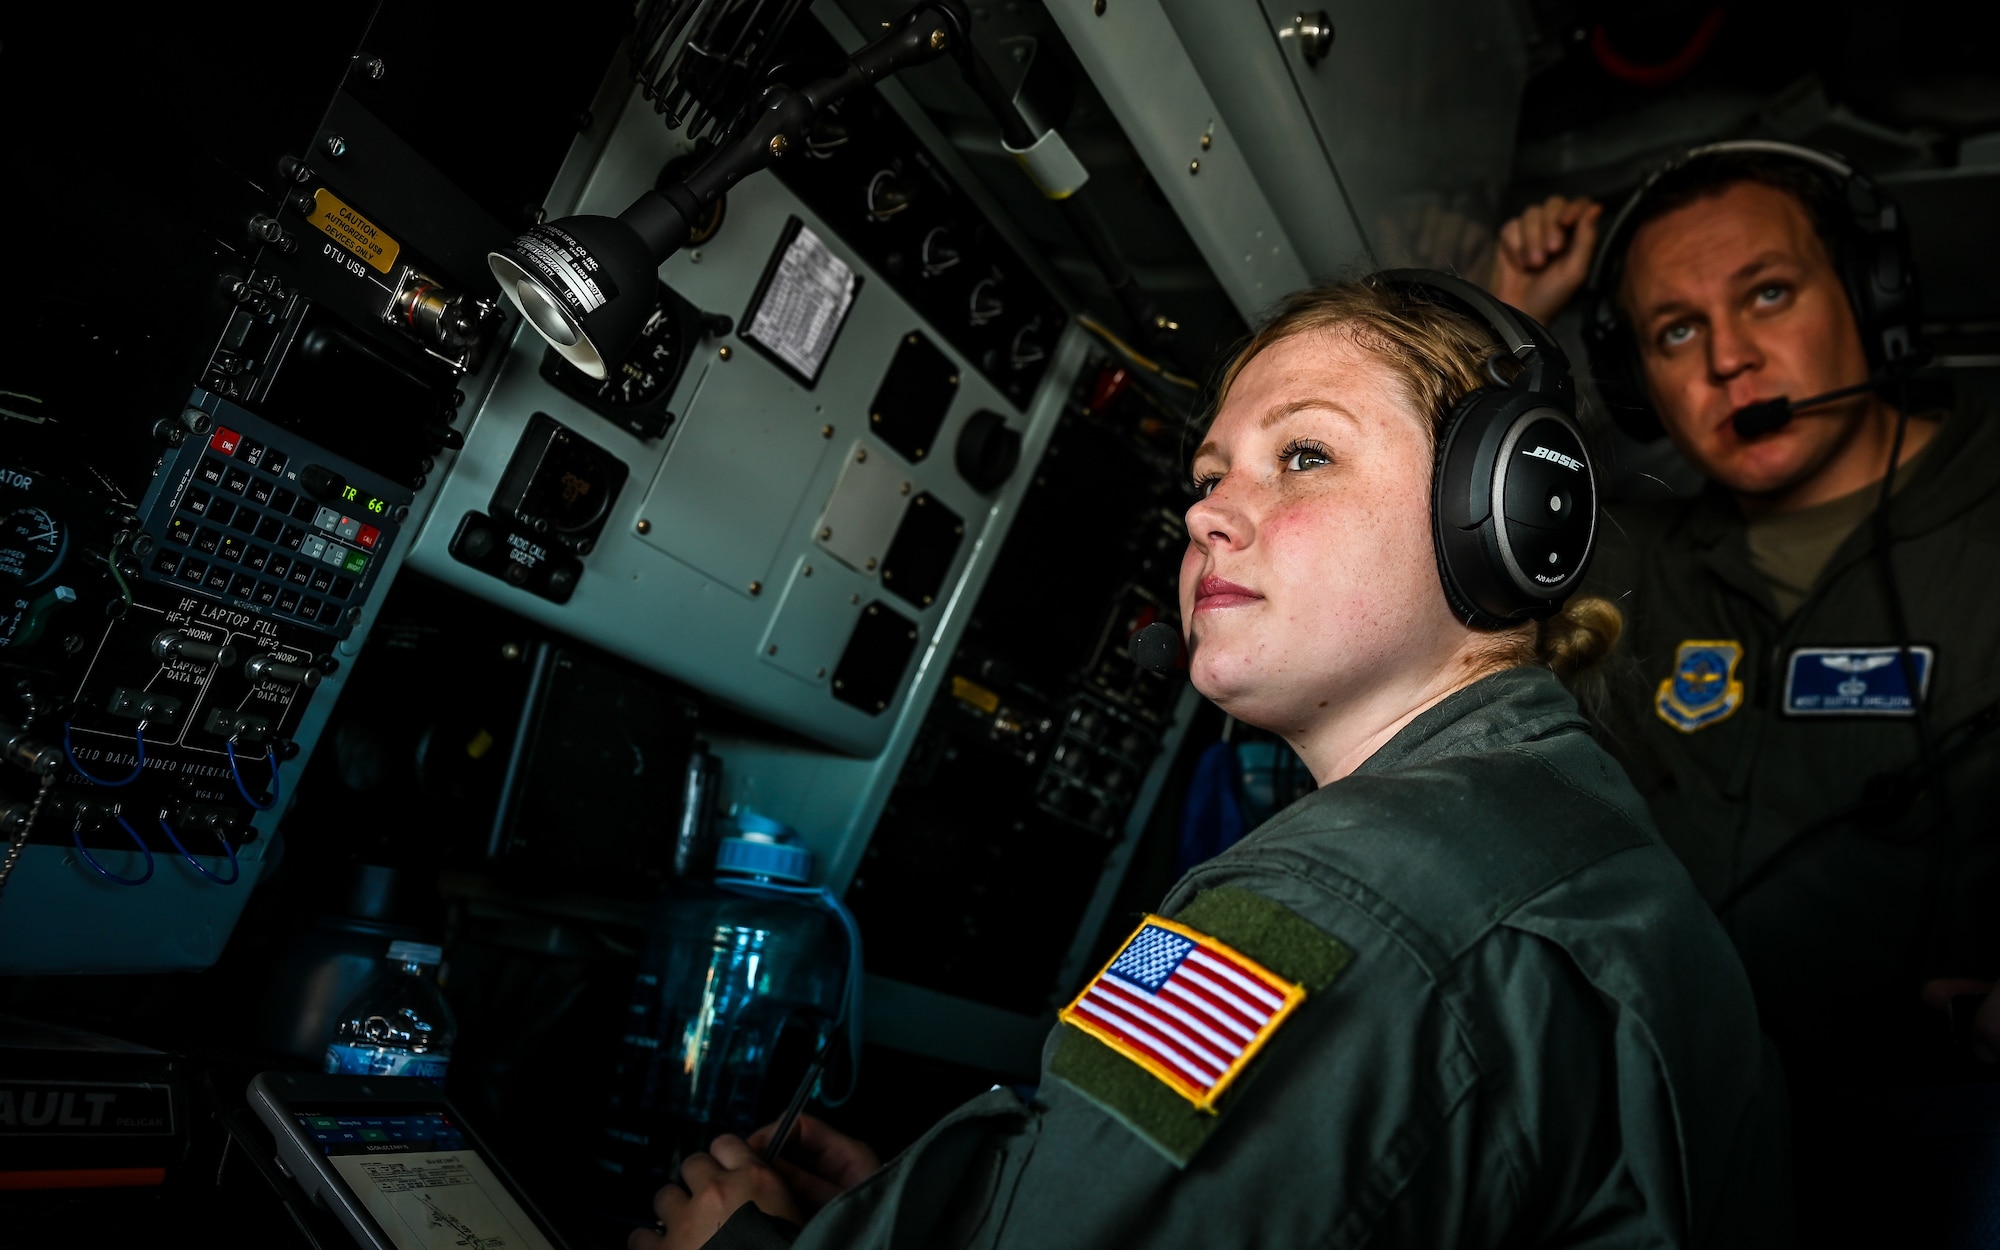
<point>587,283</point>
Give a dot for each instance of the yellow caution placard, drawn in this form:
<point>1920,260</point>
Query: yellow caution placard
<point>353,231</point>
<point>975,694</point>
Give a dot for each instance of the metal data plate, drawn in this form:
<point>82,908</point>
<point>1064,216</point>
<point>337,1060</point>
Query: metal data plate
<point>861,515</point>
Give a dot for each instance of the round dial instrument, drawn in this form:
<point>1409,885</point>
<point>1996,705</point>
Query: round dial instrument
<point>32,545</point>
<point>646,370</point>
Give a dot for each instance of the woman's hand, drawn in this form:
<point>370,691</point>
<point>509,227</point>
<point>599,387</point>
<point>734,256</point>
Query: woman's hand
<point>1544,255</point>
<point>714,1186</point>
<point>829,1161</point>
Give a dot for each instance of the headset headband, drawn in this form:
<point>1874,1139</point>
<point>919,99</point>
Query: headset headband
<point>1607,252</point>
<point>1545,365</point>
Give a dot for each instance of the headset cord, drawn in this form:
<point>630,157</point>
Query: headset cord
<point>20,842</point>
<point>1899,621</point>
<point>1886,797</point>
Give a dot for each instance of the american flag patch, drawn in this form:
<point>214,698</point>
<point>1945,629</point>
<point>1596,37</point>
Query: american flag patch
<point>1184,1007</point>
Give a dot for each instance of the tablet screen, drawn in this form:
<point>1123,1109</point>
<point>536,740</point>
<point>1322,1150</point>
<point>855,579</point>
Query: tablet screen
<point>415,1172</point>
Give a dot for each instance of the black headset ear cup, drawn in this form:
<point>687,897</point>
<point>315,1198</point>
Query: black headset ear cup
<point>1445,483</point>
<point>1615,368</point>
<point>1513,507</point>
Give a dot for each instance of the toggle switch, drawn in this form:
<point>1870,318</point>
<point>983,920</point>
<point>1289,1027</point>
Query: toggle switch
<point>172,644</point>
<point>265,668</point>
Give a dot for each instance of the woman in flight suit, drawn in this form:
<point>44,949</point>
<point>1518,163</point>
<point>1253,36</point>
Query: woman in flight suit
<point>1459,996</point>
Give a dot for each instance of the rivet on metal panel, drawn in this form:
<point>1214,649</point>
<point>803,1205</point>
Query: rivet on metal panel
<point>819,672</point>
<point>1098,8</point>
<point>1194,167</point>
<point>871,564</point>
<point>854,598</point>
<point>772,649</point>
<point>825,532</point>
<point>906,488</point>
<point>826,431</point>
<point>756,588</point>
<point>723,351</point>
<point>861,455</point>
<point>939,39</point>
<point>778,145</point>
<point>644,526</point>
<point>806,571</point>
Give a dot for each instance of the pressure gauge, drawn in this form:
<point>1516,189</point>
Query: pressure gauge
<point>32,545</point>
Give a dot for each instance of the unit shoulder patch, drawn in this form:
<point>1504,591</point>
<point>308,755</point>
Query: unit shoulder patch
<point>1162,1034</point>
<point>1704,688</point>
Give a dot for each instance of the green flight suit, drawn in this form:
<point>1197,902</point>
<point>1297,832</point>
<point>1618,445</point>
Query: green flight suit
<point>1841,893</point>
<point>1521,1027</point>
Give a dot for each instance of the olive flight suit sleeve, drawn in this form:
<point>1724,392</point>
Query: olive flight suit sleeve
<point>1413,1097</point>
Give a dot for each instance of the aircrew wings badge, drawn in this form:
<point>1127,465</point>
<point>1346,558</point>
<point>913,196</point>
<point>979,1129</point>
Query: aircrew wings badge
<point>1184,1007</point>
<point>1704,688</point>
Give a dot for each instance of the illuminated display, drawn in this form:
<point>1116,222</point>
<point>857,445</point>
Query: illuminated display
<point>368,503</point>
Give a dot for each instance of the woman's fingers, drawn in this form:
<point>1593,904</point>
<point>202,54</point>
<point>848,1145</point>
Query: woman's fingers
<point>697,1170</point>
<point>732,1151</point>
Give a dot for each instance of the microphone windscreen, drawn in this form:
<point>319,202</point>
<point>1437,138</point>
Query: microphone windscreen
<point>1158,647</point>
<point>1758,419</point>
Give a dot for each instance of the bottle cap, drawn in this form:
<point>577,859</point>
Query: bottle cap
<point>415,953</point>
<point>766,848</point>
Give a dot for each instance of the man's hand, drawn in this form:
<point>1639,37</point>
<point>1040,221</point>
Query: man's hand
<point>1985,1022</point>
<point>717,1185</point>
<point>1544,255</point>
<point>829,1161</point>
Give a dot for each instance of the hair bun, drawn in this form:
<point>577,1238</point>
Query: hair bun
<point>1576,640</point>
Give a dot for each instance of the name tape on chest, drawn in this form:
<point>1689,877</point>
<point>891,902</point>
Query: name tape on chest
<point>1184,1007</point>
<point>1854,681</point>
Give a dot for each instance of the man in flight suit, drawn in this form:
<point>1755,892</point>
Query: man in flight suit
<point>1813,683</point>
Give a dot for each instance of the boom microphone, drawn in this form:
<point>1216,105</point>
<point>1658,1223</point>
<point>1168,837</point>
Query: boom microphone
<point>1764,416</point>
<point>1158,647</point>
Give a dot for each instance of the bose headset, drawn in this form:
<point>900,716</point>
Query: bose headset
<point>1872,256</point>
<point>1513,492</point>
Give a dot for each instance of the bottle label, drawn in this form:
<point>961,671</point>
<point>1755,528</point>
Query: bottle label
<point>382,1061</point>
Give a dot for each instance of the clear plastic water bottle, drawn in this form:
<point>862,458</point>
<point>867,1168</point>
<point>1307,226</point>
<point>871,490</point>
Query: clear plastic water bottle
<point>398,1025</point>
<point>743,981</point>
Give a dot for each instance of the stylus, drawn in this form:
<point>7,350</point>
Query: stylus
<point>798,1103</point>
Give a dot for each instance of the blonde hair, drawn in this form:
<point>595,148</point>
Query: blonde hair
<point>1439,355</point>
